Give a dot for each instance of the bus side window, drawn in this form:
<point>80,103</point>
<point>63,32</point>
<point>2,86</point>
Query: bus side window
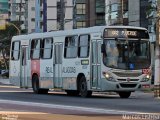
<point>35,48</point>
<point>83,47</point>
<point>71,45</point>
<point>47,44</point>
<point>15,50</point>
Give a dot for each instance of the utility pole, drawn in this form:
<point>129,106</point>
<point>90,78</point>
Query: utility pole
<point>44,15</point>
<point>62,15</point>
<point>157,55</point>
<point>20,14</point>
<point>122,7</point>
<point>74,14</point>
<point>26,16</point>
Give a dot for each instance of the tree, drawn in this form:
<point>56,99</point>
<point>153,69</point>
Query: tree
<point>5,41</point>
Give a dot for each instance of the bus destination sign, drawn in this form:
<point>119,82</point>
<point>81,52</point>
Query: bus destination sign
<point>123,33</point>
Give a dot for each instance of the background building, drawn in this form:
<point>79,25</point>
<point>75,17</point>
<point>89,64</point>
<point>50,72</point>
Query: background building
<point>89,13</point>
<point>41,15</point>
<point>127,12</point>
<point>47,15</point>
<point>31,16</point>
<point>18,12</point>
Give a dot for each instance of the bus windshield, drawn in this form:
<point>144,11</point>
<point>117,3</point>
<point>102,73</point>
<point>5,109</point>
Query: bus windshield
<point>131,54</point>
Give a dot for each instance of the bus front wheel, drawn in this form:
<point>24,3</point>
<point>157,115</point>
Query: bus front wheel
<point>35,86</point>
<point>124,94</point>
<point>83,88</point>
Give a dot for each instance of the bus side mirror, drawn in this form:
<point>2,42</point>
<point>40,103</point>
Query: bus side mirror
<point>103,48</point>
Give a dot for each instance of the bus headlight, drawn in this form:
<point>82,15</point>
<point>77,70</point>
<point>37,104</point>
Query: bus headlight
<point>146,78</point>
<point>109,77</point>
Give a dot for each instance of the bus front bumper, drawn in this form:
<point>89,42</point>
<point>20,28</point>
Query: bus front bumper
<point>123,86</point>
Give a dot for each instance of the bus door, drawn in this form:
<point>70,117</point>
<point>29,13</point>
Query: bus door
<point>96,64</point>
<point>58,65</point>
<point>23,72</point>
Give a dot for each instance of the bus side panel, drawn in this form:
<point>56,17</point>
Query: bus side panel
<point>70,71</point>
<point>29,78</point>
<point>46,73</point>
<point>35,68</point>
<point>15,72</point>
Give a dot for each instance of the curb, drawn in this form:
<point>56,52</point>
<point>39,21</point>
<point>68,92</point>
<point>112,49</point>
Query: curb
<point>4,81</point>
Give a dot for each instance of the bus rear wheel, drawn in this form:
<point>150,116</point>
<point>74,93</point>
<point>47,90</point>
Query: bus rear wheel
<point>83,88</point>
<point>35,86</point>
<point>124,94</point>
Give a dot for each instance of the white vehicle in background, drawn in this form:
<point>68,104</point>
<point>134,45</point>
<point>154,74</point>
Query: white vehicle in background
<point>82,61</point>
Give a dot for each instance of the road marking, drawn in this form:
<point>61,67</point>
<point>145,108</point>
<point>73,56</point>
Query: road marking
<point>8,86</point>
<point>13,112</point>
<point>67,107</point>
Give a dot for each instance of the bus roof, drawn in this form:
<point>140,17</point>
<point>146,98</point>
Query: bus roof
<point>88,30</point>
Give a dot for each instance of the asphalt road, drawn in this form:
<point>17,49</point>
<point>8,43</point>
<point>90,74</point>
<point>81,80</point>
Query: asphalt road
<point>17,99</point>
<point>17,103</point>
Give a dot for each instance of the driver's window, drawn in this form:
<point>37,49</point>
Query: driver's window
<point>144,49</point>
<point>112,53</point>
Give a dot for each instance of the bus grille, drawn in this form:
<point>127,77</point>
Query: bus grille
<point>127,74</point>
<point>132,80</point>
<point>128,85</point>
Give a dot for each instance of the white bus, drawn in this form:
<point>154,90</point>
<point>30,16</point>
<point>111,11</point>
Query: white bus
<point>82,61</point>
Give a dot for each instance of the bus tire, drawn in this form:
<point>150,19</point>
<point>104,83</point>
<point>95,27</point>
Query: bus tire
<point>72,92</point>
<point>35,86</point>
<point>124,94</point>
<point>44,91</point>
<point>83,88</point>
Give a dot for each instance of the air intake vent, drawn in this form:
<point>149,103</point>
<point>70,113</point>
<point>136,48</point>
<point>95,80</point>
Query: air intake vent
<point>128,85</point>
<point>120,74</point>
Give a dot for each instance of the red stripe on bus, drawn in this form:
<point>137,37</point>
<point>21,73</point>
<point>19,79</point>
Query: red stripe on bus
<point>35,67</point>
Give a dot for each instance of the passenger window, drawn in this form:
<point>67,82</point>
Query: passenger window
<point>35,48</point>
<point>71,45</point>
<point>84,42</point>
<point>15,50</point>
<point>47,45</point>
